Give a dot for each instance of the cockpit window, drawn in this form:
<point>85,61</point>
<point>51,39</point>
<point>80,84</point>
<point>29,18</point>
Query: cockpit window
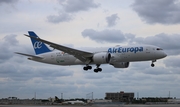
<point>159,49</point>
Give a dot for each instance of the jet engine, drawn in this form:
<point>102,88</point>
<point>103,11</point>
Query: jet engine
<point>120,64</point>
<point>101,57</point>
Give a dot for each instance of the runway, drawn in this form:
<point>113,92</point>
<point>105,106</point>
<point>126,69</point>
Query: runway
<point>138,105</point>
<point>133,105</point>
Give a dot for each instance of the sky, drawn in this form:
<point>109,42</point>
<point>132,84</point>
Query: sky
<point>84,24</point>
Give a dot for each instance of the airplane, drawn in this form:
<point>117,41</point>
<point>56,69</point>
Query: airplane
<point>117,56</point>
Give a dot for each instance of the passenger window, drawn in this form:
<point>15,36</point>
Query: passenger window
<point>158,49</point>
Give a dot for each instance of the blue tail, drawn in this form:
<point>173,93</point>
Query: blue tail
<point>39,47</point>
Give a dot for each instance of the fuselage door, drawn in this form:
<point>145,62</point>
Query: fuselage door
<point>150,52</point>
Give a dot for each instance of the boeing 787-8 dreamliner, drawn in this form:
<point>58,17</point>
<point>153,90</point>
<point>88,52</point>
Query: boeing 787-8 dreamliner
<point>117,56</point>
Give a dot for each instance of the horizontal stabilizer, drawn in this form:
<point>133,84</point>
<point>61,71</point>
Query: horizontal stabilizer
<point>33,56</point>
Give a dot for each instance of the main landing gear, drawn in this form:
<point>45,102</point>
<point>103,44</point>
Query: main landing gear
<point>87,67</point>
<point>97,69</point>
<point>152,64</point>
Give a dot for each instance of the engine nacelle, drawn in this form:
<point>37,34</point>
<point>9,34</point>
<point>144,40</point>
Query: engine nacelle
<point>120,64</point>
<point>101,58</point>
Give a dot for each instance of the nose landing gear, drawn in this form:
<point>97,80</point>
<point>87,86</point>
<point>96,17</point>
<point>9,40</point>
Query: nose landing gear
<point>152,64</point>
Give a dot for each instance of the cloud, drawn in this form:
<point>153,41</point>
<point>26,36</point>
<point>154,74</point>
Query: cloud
<point>61,17</point>
<point>8,1</point>
<point>158,71</point>
<point>7,6</point>
<point>72,6</point>
<point>111,20</point>
<point>106,35</point>
<point>7,44</point>
<point>172,61</point>
<point>11,40</point>
<point>158,11</point>
<point>24,72</point>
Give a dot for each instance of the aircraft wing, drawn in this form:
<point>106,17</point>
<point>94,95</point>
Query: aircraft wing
<point>33,56</point>
<point>81,55</point>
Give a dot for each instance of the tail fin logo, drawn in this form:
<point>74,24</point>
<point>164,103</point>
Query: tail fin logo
<point>37,45</point>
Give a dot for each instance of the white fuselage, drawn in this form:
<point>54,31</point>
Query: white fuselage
<point>118,54</point>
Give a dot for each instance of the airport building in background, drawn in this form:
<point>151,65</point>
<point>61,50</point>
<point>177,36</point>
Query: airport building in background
<point>120,96</point>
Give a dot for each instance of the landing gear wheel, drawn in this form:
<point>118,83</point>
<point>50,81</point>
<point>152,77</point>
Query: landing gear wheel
<point>96,70</point>
<point>87,68</point>
<point>152,65</point>
<point>99,69</point>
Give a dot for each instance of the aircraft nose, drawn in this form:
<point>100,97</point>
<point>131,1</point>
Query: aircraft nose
<point>164,54</point>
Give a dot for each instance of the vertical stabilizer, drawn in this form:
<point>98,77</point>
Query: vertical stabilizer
<point>39,47</point>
